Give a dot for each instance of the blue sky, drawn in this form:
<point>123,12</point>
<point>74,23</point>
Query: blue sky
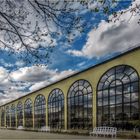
<point>100,41</point>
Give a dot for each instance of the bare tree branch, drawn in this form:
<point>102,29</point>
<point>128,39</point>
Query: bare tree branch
<point>27,24</point>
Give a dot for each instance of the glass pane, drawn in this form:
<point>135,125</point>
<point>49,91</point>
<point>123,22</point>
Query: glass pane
<point>135,115</point>
<point>127,108</point>
<point>119,76</point>
<point>89,89</point>
<point>113,84</point>
<point>128,70</point>
<point>86,84</point>
<point>112,109</point>
<point>118,108</point>
<point>81,82</point>
<point>100,86</point>
<point>105,101</point>
<point>119,99</point>
<point>126,79</point>
<point>99,102</point>
<point>120,69</point>
<point>135,111</point>
<point>106,85</point>
<point>118,83</point>
<point>112,100</point>
<point>126,88</point>
<point>134,87</point>
<point>118,90</point>
<point>99,94</point>
<point>105,93</point>
<point>104,78</point>
<point>134,97</point>
<point>76,84</point>
<point>134,107</point>
<point>111,78</point>
<point>112,91</point>
<point>134,77</point>
<point>111,72</point>
<point>99,110</point>
<point>127,97</point>
<point>105,110</point>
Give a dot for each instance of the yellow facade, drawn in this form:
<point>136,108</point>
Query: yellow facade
<point>92,75</point>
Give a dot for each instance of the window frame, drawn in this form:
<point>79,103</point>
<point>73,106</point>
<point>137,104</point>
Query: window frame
<point>56,98</point>
<point>19,114</point>
<point>13,115</point>
<point>28,113</point>
<point>40,119</point>
<point>123,93</point>
<point>84,122</point>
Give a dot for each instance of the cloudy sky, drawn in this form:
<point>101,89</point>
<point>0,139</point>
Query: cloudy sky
<point>101,41</point>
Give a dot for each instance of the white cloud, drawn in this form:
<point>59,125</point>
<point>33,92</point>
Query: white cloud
<point>30,74</point>
<point>9,89</point>
<point>9,96</point>
<point>38,85</point>
<point>15,84</point>
<point>20,63</point>
<point>52,76</point>
<point>81,64</point>
<point>111,37</point>
<point>38,74</point>
<point>3,73</point>
<point>62,74</point>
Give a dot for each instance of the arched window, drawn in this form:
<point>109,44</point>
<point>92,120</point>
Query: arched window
<point>13,116</point>
<point>56,109</point>
<point>80,105</point>
<point>2,117</point>
<point>117,97</point>
<point>19,114</point>
<point>40,111</point>
<point>7,116</point>
<point>28,113</point>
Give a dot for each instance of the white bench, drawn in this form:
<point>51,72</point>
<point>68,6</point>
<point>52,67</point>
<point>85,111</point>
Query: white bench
<point>20,128</point>
<point>104,130</point>
<point>45,129</point>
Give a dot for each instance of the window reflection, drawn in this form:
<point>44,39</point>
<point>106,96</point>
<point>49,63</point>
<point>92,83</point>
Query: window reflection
<point>105,101</point>
<point>7,116</point>
<point>28,113</point>
<point>40,111</point>
<point>19,114</point>
<point>112,100</point>
<point>56,109</point>
<point>134,87</point>
<point>105,93</point>
<point>13,116</point>
<point>2,117</point>
<point>126,97</point>
<point>80,105</point>
<point>120,97</point>
<point>127,88</point>
<point>118,90</point>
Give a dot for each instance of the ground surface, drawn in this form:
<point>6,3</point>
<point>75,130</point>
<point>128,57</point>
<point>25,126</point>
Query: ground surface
<point>26,135</point>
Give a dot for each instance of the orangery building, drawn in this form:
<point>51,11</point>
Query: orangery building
<point>107,94</point>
